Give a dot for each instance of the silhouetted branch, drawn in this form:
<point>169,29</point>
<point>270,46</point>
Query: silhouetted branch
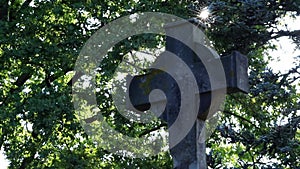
<point>25,4</point>
<point>286,33</point>
<point>20,82</point>
<point>151,130</point>
<point>75,78</point>
<point>4,10</point>
<point>240,117</point>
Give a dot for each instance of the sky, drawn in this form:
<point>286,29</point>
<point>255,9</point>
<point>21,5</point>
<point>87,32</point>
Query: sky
<point>283,60</point>
<point>285,52</point>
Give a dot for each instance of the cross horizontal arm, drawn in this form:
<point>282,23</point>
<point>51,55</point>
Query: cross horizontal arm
<point>235,68</point>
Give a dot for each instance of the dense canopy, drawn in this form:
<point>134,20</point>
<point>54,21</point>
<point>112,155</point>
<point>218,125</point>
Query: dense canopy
<point>40,41</point>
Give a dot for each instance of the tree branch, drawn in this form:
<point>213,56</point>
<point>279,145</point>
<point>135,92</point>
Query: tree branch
<point>151,130</point>
<point>4,10</point>
<point>25,4</point>
<point>75,78</point>
<point>286,33</point>
<point>240,117</point>
<point>22,79</point>
<point>20,82</point>
<point>16,11</point>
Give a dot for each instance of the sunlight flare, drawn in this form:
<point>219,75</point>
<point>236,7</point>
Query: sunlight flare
<point>204,13</point>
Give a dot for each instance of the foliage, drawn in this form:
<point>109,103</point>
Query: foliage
<point>39,44</point>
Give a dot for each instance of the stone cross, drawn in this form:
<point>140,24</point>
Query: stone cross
<point>189,151</point>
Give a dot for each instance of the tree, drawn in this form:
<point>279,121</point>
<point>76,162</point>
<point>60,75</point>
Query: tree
<point>260,134</point>
<point>40,42</point>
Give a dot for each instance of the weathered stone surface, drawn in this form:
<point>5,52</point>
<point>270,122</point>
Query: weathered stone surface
<point>235,67</point>
<point>189,153</point>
